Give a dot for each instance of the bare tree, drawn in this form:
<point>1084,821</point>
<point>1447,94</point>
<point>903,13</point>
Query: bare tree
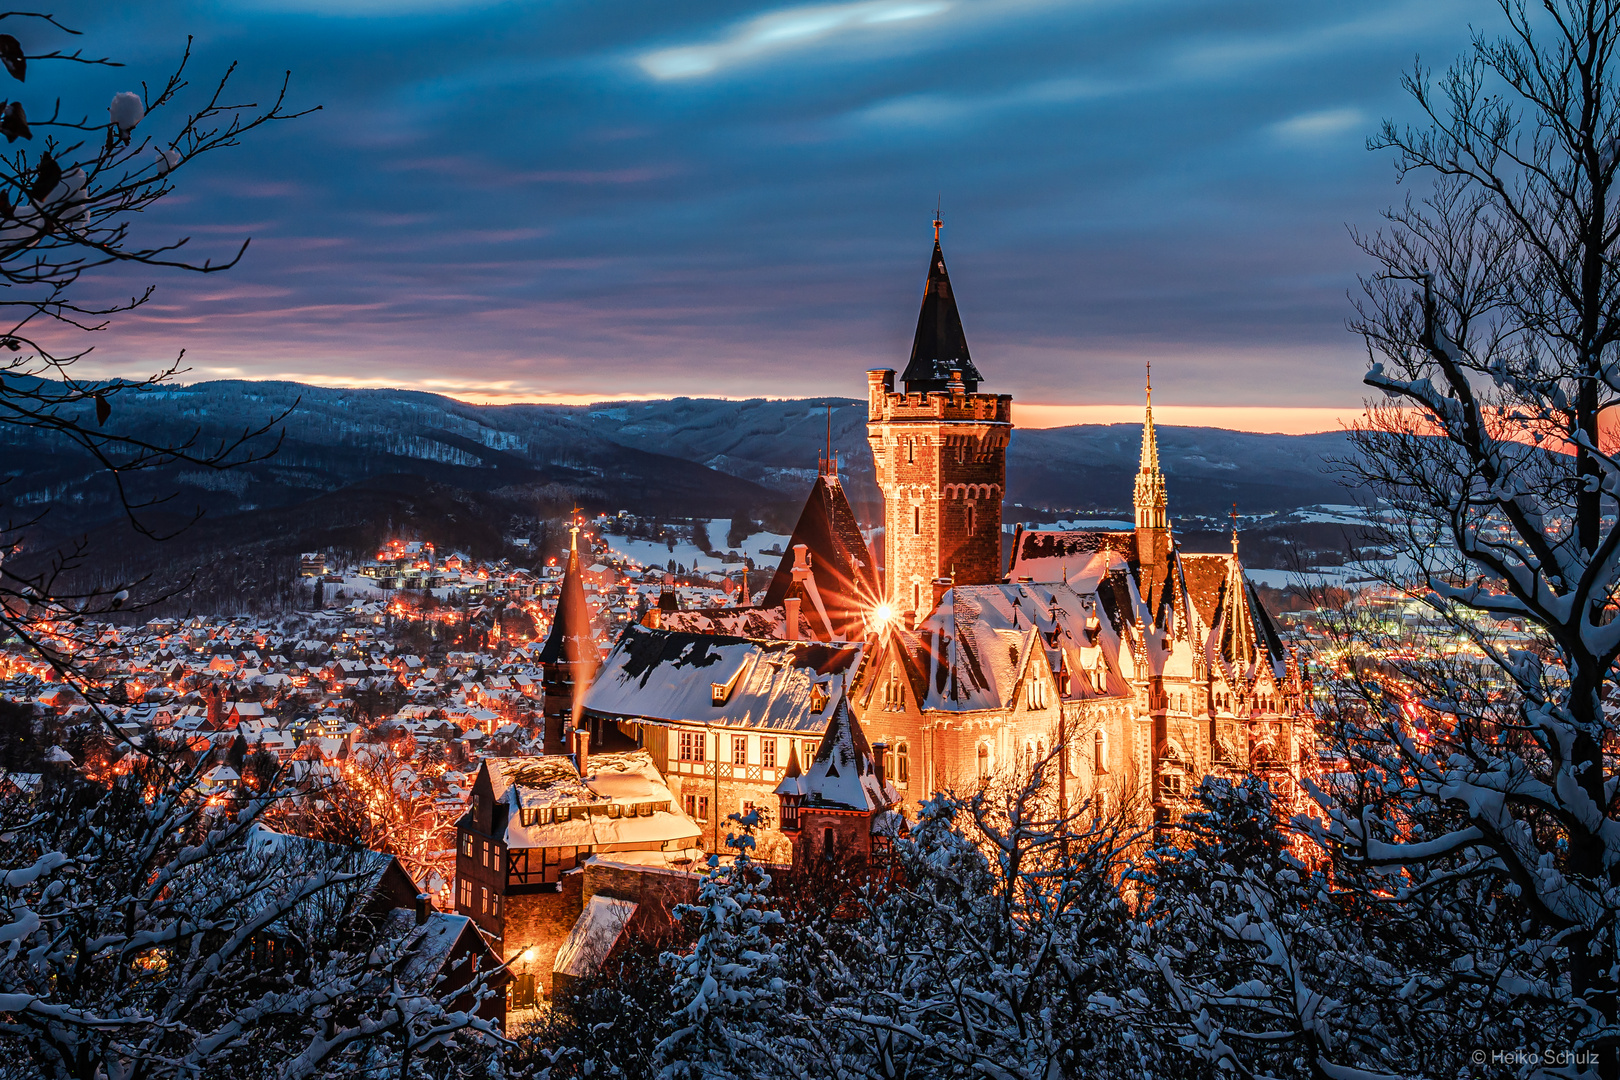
<point>69,193</point>
<point>1491,324</point>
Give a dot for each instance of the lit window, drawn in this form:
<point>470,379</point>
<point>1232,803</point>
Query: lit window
<point>483,900</point>
<point>466,895</point>
<point>483,847</point>
<point>902,764</point>
<point>495,855</point>
<point>495,903</point>
<point>692,745</point>
<point>467,845</point>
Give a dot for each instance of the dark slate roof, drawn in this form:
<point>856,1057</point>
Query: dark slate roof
<point>940,346</point>
<point>571,639</point>
<point>840,562</point>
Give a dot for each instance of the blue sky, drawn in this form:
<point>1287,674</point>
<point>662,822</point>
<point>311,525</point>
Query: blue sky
<point>525,200</point>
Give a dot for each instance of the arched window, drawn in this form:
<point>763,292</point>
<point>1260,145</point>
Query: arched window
<point>984,762</point>
<point>916,596</point>
<point>970,517</point>
<point>911,451</point>
<point>916,521</point>
<point>1099,744</point>
<point>827,843</point>
<point>902,764</point>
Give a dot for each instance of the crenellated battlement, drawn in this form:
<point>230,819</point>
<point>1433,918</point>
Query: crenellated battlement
<point>885,405</point>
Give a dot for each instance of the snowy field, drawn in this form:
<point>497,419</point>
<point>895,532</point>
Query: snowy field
<point>686,553</point>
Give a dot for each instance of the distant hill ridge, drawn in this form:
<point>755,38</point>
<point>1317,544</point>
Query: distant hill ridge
<point>402,457</point>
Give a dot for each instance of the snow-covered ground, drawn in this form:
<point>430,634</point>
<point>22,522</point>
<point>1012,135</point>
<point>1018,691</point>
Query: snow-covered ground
<point>686,553</point>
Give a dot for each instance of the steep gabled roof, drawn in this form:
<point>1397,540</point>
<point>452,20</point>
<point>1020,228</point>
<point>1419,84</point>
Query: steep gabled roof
<point>940,346</point>
<point>843,775</point>
<point>571,639</point>
<point>842,569</point>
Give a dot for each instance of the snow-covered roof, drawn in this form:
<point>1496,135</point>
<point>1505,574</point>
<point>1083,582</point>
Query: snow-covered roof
<point>671,677</point>
<point>593,936</point>
<point>622,800</point>
<point>843,775</point>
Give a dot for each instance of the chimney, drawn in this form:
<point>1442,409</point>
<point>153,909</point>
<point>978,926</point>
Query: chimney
<point>956,386</point>
<point>801,564</point>
<point>790,624</point>
<point>880,761</point>
<point>422,909</point>
<point>942,585</point>
<point>910,620</point>
<point>581,738</point>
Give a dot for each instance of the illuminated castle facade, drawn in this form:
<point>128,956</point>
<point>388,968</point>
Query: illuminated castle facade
<point>1132,667</point>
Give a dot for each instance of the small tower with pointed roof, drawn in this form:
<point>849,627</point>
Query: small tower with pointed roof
<point>834,808</point>
<point>568,658</point>
<point>940,448</point>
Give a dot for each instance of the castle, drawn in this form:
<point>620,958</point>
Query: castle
<point>848,696</point>
<point>1149,666</point>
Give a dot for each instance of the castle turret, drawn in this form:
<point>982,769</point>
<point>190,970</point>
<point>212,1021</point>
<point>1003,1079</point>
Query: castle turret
<point>835,808</point>
<point>940,449</point>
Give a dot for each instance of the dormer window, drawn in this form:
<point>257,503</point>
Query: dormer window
<point>819,697</point>
<point>718,693</point>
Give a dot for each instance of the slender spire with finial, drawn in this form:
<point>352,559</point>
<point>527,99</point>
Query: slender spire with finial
<point>1151,512</point>
<point>1150,438</point>
<point>938,217</point>
<point>573,531</point>
<point>1234,529</point>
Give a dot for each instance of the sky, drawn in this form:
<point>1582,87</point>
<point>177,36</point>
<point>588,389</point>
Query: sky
<point>574,201</point>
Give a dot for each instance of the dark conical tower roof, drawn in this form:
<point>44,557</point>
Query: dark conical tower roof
<point>840,562</point>
<point>940,347</point>
<point>571,640</point>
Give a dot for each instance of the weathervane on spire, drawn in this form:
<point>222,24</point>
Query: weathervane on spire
<point>573,530</point>
<point>1234,529</point>
<point>938,218</point>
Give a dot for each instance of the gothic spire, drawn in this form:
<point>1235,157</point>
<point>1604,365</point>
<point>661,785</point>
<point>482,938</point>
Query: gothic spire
<point>939,346</point>
<point>1150,439</point>
<point>1151,512</point>
<point>1237,637</point>
<point>571,639</point>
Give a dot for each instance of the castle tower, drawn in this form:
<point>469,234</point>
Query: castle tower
<point>941,453</point>
<point>1152,514</point>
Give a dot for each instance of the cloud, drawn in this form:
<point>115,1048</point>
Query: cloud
<point>1318,126</point>
<point>789,28</point>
